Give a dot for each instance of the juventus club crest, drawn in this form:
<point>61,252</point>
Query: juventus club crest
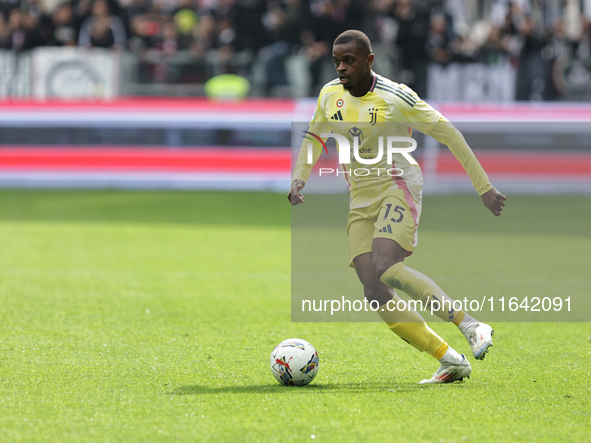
<point>373,113</point>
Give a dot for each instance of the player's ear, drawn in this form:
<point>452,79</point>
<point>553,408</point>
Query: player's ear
<point>370,58</point>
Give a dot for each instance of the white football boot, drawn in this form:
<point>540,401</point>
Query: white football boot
<point>480,339</point>
<point>450,373</point>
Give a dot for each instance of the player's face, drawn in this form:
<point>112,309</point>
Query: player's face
<point>353,66</point>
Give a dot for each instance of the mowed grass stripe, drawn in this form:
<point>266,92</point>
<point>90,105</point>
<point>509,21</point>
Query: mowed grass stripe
<point>151,317</point>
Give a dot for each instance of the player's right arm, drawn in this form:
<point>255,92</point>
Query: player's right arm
<point>419,115</point>
<point>303,169</point>
<point>294,196</point>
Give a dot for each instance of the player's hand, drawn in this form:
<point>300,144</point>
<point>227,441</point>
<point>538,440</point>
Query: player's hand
<point>494,201</point>
<point>294,196</point>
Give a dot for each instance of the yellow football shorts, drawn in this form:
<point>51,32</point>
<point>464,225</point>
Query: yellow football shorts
<point>394,216</point>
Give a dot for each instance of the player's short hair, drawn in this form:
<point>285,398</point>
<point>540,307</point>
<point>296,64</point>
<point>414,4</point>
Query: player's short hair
<point>361,40</point>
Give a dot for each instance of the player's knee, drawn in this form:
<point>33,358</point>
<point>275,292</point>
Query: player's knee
<point>382,264</point>
<point>376,293</point>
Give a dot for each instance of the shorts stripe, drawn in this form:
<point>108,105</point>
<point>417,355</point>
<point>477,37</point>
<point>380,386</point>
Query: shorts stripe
<point>409,201</point>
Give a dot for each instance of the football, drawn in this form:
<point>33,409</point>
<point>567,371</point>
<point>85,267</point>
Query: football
<point>294,362</point>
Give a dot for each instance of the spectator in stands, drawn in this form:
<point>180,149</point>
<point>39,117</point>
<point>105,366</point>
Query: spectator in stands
<point>6,6</point>
<point>164,49</point>
<point>438,40</point>
<point>227,44</point>
<point>24,31</point>
<point>284,23</point>
<point>169,40</point>
<point>318,39</point>
<point>101,29</point>
<point>82,9</point>
<point>34,8</point>
<point>245,16</point>
<point>205,28</point>
<point>62,28</point>
<point>558,43</point>
<point>222,34</point>
<point>185,18</point>
<point>144,32</point>
<point>145,25</point>
<point>377,23</point>
<point>532,72</point>
<point>5,35</point>
<point>494,47</point>
<point>139,7</point>
<point>274,54</point>
<point>205,35</point>
<point>413,28</point>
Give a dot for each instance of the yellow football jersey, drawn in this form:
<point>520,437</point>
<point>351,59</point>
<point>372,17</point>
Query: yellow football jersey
<point>388,109</point>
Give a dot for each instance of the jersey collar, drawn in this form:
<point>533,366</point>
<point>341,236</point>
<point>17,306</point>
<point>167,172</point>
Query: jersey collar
<point>374,81</point>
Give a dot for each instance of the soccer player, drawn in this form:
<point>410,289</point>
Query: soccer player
<point>385,210</point>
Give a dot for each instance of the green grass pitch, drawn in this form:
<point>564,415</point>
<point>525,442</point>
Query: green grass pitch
<point>151,316</point>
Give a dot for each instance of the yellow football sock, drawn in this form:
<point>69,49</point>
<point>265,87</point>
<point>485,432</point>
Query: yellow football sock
<point>459,317</point>
<point>420,287</point>
<point>410,327</point>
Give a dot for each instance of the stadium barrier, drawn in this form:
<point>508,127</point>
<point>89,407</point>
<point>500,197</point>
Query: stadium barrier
<point>145,143</point>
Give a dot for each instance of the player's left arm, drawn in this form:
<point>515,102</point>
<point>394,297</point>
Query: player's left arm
<point>494,200</point>
<point>445,132</point>
<point>429,121</point>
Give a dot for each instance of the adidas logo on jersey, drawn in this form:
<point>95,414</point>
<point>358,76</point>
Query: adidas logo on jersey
<point>387,229</point>
<point>337,116</point>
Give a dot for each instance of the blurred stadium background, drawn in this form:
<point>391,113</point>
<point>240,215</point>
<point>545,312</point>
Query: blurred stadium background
<point>201,94</point>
